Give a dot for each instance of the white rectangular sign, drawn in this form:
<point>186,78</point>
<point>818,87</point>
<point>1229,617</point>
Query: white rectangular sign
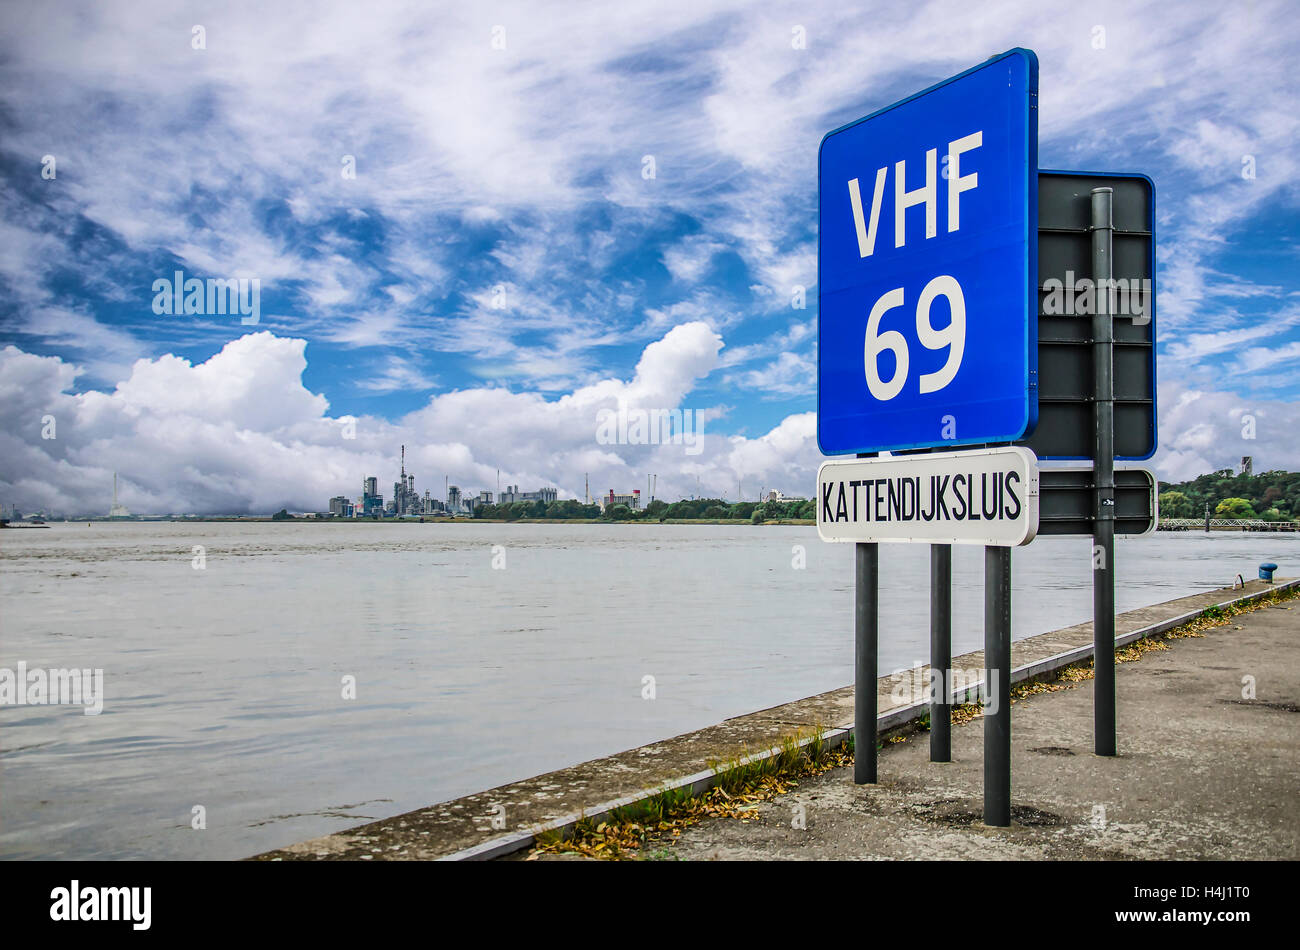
<point>983,496</point>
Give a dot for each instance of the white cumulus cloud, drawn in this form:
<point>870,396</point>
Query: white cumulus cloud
<point>240,433</point>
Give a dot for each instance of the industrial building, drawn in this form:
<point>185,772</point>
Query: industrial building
<point>632,501</point>
<point>512,494</point>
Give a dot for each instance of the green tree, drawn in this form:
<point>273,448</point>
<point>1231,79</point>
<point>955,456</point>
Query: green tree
<point>715,512</point>
<point>680,509</point>
<point>1174,504</point>
<point>1235,508</point>
<point>778,509</point>
<point>281,515</point>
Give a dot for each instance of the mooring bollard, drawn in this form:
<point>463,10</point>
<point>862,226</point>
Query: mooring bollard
<point>1266,571</point>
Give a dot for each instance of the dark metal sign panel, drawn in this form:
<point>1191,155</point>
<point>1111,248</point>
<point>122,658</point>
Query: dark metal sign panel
<point>1067,501</point>
<point>1067,297</point>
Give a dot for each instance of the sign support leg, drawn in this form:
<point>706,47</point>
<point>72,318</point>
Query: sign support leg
<point>940,652</point>
<point>997,686</point>
<point>866,621</point>
<point>1103,538</point>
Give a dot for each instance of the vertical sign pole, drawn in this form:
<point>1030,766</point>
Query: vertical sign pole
<point>940,652</point>
<point>1103,536</point>
<point>866,619</point>
<point>866,640</point>
<point>997,686</point>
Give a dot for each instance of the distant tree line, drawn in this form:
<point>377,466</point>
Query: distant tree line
<point>537,509</point>
<point>712,509</point>
<point>1270,496</point>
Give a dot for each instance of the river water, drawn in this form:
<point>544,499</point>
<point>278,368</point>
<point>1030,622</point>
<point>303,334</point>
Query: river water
<point>481,654</point>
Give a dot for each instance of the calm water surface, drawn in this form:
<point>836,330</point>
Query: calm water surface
<point>223,685</point>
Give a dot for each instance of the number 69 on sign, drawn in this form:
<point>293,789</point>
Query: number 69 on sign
<point>953,336</point>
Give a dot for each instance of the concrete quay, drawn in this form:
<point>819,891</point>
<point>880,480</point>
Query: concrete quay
<point>1205,772</point>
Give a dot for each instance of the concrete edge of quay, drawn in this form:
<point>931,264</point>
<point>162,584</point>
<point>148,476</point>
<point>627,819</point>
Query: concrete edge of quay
<point>439,832</point>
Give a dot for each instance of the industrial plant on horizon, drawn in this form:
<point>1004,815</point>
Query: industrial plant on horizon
<point>405,502</point>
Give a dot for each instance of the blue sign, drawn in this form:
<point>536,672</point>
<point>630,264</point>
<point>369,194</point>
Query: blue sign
<point>927,267</point>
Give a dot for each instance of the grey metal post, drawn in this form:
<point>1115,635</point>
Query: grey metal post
<point>997,686</point>
<point>1103,535</point>
<point>941,651</point>
<point>1207,517</point>
<point>866,621</point>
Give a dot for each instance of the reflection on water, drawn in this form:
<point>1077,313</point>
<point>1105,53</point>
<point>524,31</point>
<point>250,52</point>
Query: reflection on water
<point>224,686</point>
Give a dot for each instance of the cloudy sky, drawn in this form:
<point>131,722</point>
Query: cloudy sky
<point>460,246</point>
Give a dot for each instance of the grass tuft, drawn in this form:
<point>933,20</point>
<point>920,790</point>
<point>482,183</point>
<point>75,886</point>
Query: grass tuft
<point>742,783</point>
